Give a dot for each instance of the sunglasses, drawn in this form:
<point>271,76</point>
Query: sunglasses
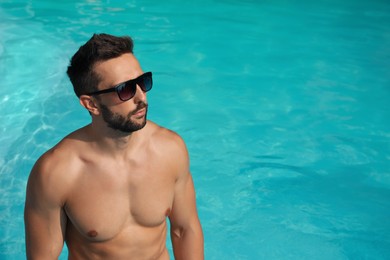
<point>126,90</point>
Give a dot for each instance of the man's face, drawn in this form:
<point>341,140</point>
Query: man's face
<point>126,116</point>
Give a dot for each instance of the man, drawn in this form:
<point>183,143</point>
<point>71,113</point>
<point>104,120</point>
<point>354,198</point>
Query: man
<point>107,188</point>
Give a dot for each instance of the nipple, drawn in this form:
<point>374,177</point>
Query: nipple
<point>92,233</point>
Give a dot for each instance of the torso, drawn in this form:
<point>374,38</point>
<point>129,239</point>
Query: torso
<point>117,209</point>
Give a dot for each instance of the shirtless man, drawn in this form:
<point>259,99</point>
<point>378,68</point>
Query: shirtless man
<point>108,188</point>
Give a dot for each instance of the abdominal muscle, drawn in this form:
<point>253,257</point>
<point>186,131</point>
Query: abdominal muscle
<point>132,242</point>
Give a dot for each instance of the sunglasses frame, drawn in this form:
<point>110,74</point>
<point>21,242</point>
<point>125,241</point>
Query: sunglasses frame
<point>133,84</point>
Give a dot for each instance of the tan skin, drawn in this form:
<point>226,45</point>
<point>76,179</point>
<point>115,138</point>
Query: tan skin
<point>107,193</point>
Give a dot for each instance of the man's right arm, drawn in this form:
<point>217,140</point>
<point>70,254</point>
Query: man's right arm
<point>45,220</point>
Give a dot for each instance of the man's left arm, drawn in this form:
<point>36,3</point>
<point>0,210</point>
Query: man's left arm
<point>186,231</point>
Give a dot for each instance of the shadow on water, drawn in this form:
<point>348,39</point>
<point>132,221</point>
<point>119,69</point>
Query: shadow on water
<point>253,166</point>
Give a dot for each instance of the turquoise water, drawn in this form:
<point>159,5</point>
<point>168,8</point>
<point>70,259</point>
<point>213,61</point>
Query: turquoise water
<point>283,106</point>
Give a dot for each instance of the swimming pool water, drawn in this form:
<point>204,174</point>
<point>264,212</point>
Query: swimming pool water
<point>283,106</point>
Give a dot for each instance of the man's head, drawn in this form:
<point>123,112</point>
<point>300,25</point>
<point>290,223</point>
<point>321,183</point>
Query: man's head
<point>100,47</point>
<point>110,83</point>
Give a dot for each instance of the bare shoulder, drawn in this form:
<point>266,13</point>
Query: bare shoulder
<point>170,146</point>
<point>166,140</point>
<point>54,171</point>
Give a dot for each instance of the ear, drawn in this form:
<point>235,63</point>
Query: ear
<point>90,104</point>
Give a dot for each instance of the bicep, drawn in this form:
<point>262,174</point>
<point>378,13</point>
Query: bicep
<point>45,220</point>
<point>44,232</point>
<point>184,204</point>
<point>183,214</point>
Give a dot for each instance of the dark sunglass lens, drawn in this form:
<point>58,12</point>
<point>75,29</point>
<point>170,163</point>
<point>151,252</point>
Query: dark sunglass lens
<point>126,91</point>
<point>146,83</point>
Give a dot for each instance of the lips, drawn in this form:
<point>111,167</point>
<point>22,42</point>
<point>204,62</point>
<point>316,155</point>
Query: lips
<point>140,111</point>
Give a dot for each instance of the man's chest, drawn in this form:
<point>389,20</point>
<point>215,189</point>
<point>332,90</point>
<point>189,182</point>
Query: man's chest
<point>105,200</point>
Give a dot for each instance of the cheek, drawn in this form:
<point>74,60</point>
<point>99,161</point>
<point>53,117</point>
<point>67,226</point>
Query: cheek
<point>113,99</point>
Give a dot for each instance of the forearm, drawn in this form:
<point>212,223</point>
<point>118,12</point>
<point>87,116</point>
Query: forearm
<point>188,244</point>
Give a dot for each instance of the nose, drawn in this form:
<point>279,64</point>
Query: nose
<point>139,95</point>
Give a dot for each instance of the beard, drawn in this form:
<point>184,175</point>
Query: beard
<point>121,123</point>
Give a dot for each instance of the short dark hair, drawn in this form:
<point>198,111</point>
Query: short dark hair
<point>100,47</point>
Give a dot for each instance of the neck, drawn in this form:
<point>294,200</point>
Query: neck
<point>114,142</point>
